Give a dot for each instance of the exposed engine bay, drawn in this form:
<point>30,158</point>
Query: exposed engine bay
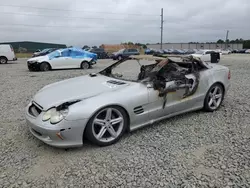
<point>167,75</point>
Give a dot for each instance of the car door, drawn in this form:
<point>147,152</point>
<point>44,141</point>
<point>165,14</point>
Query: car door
<point>62,61</point>
<point>134,52</point>
<point>76,58</point>
<point>126,53</point>
<point>174,102</point>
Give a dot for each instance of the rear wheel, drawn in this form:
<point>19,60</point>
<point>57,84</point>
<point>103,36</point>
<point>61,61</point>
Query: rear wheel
<point>119,57</point>
<point>107,126</point>
<point>3,60</point>
<point>44,66</point>
<point>214,97</point>
<point>85,65</point>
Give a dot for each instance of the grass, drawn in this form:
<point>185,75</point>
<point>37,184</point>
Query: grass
<point>23,55</point>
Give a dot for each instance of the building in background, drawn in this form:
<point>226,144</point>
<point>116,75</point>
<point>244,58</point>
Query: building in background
<point>233,46</point>
<point>31,47</point>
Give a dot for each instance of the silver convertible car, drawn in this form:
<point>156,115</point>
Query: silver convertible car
<point>125,96</point>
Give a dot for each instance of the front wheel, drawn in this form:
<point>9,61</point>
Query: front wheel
<point>214,97</point>
<point>44,66</point>
<point>107,126</point>
<point>85,65</point>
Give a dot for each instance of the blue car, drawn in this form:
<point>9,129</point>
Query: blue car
<point>67,58</point>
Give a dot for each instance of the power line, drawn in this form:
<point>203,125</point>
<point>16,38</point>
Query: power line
<point>72,17</point>
<point>71,10</point>
<point>64,26</point>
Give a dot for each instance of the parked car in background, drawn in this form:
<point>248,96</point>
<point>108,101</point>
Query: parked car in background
<point>242,51</point>
<point>101,54</point>
<point>247,51</point>
<point>123,53</point>
<point>235,51</point>
<point>225,52</point>
<point>63,59</point>
<point>7,53</point>
<point>166,51</point>
<point>150,51</point>
<point>190,51</point>
<point>43,52</point>
<point>205,55</point>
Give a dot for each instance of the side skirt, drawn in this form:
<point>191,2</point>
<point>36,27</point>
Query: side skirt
<point>164,117</point>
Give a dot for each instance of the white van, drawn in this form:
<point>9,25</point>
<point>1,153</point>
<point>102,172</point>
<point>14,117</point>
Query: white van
<point>7,53</point>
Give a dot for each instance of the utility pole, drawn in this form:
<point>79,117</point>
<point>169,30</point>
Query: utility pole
<point>226,39</point>
<point>161,26</point>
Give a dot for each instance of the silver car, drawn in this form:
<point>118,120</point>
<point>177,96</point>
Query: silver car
<point>103,106</point>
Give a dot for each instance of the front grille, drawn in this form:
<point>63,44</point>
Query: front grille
<point>34,110</point>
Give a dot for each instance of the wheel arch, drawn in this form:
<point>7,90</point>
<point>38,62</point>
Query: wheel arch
<point>84,61</point>
<point>217,82</point>
<point>108,105</point>
<point>47,63</point>
<point>4,57</point>
<point>220,83</point>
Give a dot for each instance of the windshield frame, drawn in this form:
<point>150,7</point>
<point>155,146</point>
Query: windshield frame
<point>108,71</point>
<point>55,52</point>
<point>45,50</point>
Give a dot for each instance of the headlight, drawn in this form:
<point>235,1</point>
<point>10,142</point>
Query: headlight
<point>54,115</point>
<point>48,114</point>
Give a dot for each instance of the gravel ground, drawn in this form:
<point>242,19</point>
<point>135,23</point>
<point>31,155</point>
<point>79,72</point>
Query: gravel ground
<point>193,150</point>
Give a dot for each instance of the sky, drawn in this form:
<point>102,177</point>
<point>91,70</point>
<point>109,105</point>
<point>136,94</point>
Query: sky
<point>96,22</point>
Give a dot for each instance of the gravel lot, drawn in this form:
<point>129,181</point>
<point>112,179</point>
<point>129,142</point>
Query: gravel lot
<point>193,150</point>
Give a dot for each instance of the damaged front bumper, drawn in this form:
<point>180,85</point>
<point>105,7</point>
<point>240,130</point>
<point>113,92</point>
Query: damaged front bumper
<point>33,66</point>
<point>67,133</point>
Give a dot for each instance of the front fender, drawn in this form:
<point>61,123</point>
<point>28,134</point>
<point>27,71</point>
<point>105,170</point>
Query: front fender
<point>86,108</point>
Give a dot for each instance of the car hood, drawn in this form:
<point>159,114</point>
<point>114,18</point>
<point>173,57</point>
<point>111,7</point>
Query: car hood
<point>39,58</point>
<point>78,88</point>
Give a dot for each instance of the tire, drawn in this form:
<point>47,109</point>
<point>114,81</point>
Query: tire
<point>85,65</point>
<point>119,57</point>
<point>45,66</point>
<point>30,69</point>
<point>214,98</point>
<point>100,130</point>
<point>3,60</point>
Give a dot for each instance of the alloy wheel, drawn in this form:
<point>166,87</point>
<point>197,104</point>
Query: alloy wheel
<point>215,97</point>
<point>107,125</point>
